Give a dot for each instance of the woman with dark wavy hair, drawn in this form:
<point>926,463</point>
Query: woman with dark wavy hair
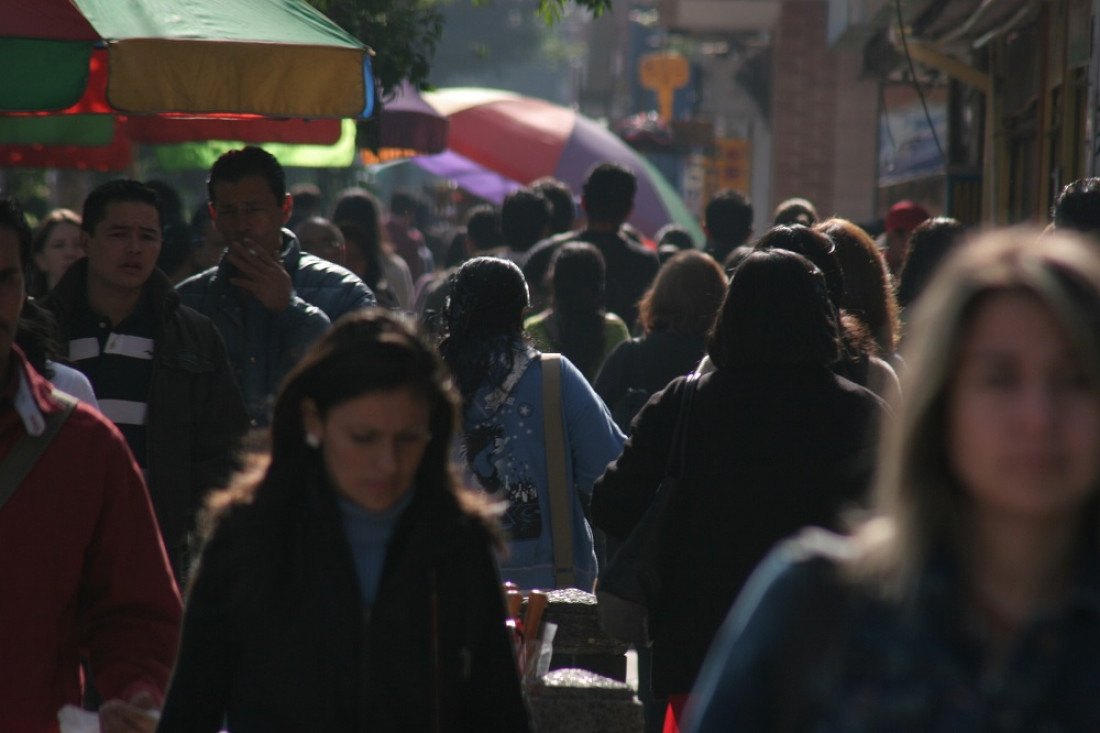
<point>868,292</point>
<point>348,584</point>
<point>775,440</point>
<point>500,376</point>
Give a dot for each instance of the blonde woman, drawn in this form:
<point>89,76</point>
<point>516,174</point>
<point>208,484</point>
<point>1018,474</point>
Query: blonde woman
<point>971,600</point>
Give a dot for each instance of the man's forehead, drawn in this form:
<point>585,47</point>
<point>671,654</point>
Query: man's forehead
<point>130,214</point>
<point>250,189</point>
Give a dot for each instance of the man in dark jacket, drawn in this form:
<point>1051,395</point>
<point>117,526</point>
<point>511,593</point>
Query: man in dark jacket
<point>269,299</point>
<point>728,223</point>
<point>159,369</point>
<point>608,199</point>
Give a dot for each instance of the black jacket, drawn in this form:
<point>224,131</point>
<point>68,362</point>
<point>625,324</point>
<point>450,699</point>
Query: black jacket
<point>195,418</point>
<point>641,367</point>
<point>769,450</point>
<point>630,268</point>
<point>302,653</point>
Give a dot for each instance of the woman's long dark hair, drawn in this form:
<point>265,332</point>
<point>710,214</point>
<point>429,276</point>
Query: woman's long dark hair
<point>363,352</point>
<point>36,279</point>
<point>776,313</point>
<point>367,248</point>
<point>359,217</point>
<point>578,278</point>
<point>857,344</point>
<point>483,321</point>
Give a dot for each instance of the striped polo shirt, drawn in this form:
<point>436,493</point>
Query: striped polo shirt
<point>119,363</point>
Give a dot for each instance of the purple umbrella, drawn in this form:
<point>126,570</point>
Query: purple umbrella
<point>410,123</point>
<point>468,175</point>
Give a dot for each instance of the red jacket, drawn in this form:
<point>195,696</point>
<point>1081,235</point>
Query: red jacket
<point>82,567</point>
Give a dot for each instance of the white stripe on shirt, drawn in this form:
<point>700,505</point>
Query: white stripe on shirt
<point>85,348</point>
<point>124,412</point>
<point>135,347</point>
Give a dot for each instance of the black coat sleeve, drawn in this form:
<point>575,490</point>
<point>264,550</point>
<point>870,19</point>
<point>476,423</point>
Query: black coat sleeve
<point>621,496</point>
<point>493,699</point>
<point>199,692</point>
<point>611,381</point>
<point>224,422</point>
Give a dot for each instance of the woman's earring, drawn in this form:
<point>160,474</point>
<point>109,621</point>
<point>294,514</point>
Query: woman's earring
<point>312,440</point>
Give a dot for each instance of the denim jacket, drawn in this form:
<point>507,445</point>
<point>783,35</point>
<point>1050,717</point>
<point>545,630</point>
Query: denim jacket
<point>263,347</point>
<point>804,650</point>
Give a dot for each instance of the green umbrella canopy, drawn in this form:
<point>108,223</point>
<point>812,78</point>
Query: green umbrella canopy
<point>209,57</point>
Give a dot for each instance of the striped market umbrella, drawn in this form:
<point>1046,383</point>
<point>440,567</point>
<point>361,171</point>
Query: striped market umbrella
<point>65,142</point>
<point>279,58</point>
<point>86,80</point>
<point>523,138</point>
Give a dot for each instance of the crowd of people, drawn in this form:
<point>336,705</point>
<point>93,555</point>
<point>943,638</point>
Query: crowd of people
<point>268,468</point>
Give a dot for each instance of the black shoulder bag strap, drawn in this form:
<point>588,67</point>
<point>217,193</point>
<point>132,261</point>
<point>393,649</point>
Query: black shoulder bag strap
<point>22,458</point>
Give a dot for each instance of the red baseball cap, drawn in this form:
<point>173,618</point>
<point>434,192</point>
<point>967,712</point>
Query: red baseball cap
<point>905,215</point>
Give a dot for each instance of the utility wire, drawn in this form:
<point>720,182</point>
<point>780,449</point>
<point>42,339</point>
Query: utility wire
<point>916,83</point>
<point>886,117</point>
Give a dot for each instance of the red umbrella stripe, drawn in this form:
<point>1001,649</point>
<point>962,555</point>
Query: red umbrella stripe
<point>528,136</point>
<point>166,129</point>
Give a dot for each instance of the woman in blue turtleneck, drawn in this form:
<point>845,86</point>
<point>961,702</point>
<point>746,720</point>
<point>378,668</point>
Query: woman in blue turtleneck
<point>347,583</point>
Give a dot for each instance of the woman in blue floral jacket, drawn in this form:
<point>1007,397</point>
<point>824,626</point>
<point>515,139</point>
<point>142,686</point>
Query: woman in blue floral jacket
<point>499,375</point>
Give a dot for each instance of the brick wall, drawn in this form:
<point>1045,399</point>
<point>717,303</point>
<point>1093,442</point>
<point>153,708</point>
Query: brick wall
<point>804,106</point>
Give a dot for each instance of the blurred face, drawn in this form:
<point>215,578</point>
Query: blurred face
<point>11,292</point>
<point>1023,414</point>
<point>372,445</point>
<point>897,247</point>
<point>123,249</point>
<point>246,211</point>
<point>321,239</point>
<point>354,259</point>
<point>61,249</point>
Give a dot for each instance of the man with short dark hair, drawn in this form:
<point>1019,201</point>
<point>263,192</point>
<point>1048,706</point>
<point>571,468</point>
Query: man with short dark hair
<point>524,221</point>
<point>1078,207</point>
<point>728,223</point>
<point>483,235</point>
<point>560,196</point>
<point>268,298</point>
<point>795,211</point>
<point>159,369</point>
<point>608,200</point>
<point>483,239</point>
<point>320,237</point>
<point>308,203</point>
<point>83,571</point>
